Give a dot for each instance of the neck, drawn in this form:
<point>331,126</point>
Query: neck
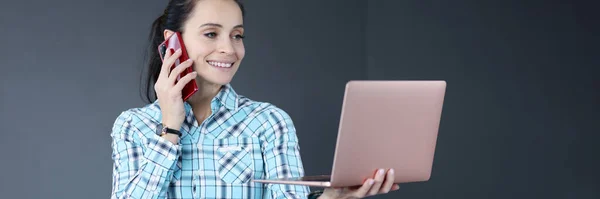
<point>200,101</point>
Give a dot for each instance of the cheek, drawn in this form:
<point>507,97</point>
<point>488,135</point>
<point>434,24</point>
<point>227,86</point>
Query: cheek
<point>240,51</point>
<point>199,50</point>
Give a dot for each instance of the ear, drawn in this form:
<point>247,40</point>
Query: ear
<point>167,33</point>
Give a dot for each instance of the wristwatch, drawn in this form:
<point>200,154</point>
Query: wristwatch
<point>165,130</point>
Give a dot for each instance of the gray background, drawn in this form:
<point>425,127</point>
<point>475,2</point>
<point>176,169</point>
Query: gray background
<point>520,118</point>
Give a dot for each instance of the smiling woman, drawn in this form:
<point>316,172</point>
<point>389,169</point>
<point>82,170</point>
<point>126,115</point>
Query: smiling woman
<point>207,27</point>
<point>215,142</point>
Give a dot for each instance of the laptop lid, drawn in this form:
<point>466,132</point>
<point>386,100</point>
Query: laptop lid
<point>387,124</point>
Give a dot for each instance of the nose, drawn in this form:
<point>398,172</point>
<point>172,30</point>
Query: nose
<point>225,46</point>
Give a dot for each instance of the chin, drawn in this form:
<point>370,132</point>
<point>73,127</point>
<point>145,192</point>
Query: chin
<point>219,80</point>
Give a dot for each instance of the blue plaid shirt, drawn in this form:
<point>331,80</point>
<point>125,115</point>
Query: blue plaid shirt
<point>242,139</point>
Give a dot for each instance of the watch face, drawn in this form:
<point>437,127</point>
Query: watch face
<point>159,129</point>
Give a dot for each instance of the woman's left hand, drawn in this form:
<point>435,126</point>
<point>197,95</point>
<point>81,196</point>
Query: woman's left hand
<point>381,183</point>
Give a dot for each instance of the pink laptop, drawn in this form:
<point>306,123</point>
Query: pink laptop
<point>383,124</point>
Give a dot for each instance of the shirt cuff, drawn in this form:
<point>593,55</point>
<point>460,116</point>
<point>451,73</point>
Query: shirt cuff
<point>315,194</point>
<point>162,152</point>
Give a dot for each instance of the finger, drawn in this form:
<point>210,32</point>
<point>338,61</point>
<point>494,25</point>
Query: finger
<point>178,69</point>
<point>362,191</point>
<point>379,177</point>
<point>388,183</point>
<point>184,80</point>
<point>164,71</point>
<point>169,60</point>
<point>395,187</point>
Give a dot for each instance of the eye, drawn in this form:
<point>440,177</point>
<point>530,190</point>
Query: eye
<point>238,37</point>
<point>210,35</point>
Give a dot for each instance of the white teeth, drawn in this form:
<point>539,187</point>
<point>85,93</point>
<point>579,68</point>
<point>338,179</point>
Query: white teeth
<point>220,64</point>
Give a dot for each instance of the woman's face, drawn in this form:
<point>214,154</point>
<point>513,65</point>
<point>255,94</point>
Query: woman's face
<point>213,39</point>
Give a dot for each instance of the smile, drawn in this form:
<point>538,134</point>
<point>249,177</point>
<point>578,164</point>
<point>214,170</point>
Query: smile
<point>220,64</point>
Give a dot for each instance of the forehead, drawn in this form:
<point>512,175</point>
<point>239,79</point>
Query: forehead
<point>224,12</point>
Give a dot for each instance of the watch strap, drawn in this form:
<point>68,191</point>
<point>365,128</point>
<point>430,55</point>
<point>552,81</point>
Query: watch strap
<point>166,129</point>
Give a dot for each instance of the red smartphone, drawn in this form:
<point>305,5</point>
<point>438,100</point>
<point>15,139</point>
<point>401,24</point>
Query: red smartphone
<point>173,43</point>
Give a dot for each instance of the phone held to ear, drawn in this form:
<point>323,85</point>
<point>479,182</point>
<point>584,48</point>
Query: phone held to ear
<point>174,43</point>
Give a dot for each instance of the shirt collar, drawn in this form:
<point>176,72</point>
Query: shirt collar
<point>227,97</point>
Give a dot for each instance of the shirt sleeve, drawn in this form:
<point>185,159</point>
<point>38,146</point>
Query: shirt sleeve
<point>142,164</point>
<point>282,156</point>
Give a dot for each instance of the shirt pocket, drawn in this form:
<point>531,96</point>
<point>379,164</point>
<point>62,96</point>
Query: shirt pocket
<point>235,158</point>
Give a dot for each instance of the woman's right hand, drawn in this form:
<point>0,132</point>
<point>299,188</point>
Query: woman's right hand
<point>169,93</point>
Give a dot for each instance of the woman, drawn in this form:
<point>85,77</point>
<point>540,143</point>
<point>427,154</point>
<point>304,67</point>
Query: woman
<point>211,145</point>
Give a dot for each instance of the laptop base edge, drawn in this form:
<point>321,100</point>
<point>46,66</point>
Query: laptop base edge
<point>294,182</point>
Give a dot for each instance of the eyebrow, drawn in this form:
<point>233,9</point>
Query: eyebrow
<point>219,25</point>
